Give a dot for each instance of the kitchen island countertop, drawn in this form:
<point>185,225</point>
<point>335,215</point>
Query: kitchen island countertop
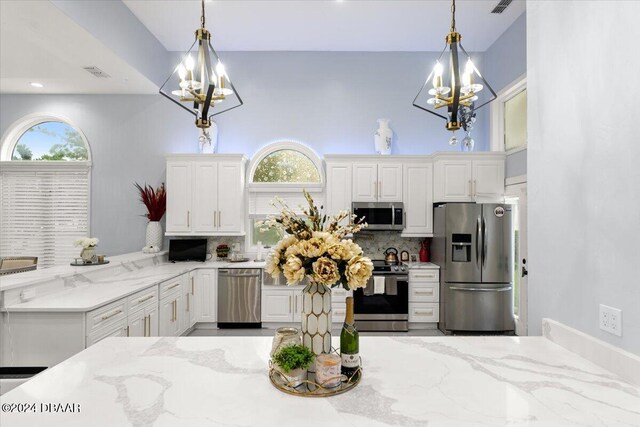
<point>408,381</point>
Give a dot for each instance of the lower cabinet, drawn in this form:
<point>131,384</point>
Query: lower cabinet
<point>169,316</point>
<point>282,305</point>
<point>206,295</point>
<point>143,322</point>
<point>424,296</point>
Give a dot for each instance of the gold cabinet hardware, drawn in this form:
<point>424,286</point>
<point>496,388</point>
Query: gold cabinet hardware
<point>192,286</point>
<point>173,286</point>
<point>188,218</point>
<point>188,301</point>
<point>145,299</point>
<point>109,316</point>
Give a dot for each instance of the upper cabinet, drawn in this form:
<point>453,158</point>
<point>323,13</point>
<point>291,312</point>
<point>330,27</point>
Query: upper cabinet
<point>477,177</point>
<point>418,199</point>
<point>338,195</point>
<point>205,194</point>
<point>377,182</point>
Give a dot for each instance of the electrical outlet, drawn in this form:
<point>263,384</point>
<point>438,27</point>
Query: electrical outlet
<point>611,320</point>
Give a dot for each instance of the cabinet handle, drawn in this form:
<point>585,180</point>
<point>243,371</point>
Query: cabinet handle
<point>145,326</point>
<point>145,299</point>
<point>426,276</point>
<point>173,310</point>
<point>290,304</point>
<point>173,286</point>
<point>425,312</point>
<point>192,292</point>
<point>214,219</point>
<point>423,292</point>
<point>109,316</point>
<point>219,220</point>
<point>188,302</point>
<point>127,330</point>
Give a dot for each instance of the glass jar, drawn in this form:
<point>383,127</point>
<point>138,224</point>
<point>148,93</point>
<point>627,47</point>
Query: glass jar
<point>328,370</point>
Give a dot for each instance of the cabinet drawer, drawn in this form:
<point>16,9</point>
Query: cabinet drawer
<point>106,315</point>
<point>424,312</point>
<point>170,286</point>
<point>117,329</point>
<point>339,295</point>
<point>424,275</point>
<point>338,312</point>
<point>143,299</point>
<point>424,292</point>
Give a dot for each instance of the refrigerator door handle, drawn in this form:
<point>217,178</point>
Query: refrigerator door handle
<point>478,242</point>
<point>484,242</point>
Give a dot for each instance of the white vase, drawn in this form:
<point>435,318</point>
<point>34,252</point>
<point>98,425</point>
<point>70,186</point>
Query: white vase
<point>316,318</point>
<point>154,235</point>
<point>383,137</point>
<point>88,254</point>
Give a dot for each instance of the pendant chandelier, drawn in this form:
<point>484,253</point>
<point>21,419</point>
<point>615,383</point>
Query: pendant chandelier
<point>200,82</point>
<point>454,87</point>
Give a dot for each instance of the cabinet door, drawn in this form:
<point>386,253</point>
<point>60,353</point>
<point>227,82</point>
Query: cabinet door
<point>178,197</point>
<point>453,181</point>
<point>205,196</point>
<point>136,324</point>
<point>488,180</point>
<point>365,182</point>
<point>206,292</point>
<point>277,306</point>
<point>192,297</point>
<point>230,197</point>
<point>390,182</point>
<point>151,314</point>
<point>338,188</point>
<point>169,316</point>
<point>418,199</point>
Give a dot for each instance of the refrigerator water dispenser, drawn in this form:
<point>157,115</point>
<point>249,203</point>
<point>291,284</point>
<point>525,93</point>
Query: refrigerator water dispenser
<point>461,248</point>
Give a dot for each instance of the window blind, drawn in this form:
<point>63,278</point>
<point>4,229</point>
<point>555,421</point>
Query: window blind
<point>44,207</point>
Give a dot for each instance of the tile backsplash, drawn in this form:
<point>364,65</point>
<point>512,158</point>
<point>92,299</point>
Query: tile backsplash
<point>375,243</point>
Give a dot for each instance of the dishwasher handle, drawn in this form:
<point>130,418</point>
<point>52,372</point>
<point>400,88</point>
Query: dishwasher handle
<point>227,273</point>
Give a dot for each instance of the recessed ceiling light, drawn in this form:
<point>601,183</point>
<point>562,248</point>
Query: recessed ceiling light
<point>36,84</point>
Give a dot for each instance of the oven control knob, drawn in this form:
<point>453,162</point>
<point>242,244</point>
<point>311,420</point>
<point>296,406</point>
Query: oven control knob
<point>403,268</point>
<point>395,268</point>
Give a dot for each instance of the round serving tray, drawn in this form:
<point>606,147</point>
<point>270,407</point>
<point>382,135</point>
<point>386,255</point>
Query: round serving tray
<point>82,264</point>
<point>309,388</point>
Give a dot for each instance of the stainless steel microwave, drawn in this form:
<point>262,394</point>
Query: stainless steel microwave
<point>380,215</point>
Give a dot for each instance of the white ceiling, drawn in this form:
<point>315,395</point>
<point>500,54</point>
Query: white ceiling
<point>326,25</point>
<point>39,43</point>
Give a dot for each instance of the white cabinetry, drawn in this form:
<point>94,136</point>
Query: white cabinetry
<point>277,305</point>
<point>205,194</point>
<point>469,177</point>
<point>338,304</point>
<point>424,296</point>
<point>205,283</point>
<point>418,199</point>
<point>339,176</point>
<point>377,182</point>
<point>171,308</point>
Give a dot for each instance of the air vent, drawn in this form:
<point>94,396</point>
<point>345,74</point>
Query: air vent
<point>500,7</point>
<point>97,72</point>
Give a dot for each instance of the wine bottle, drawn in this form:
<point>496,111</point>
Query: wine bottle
<point>349,343</point>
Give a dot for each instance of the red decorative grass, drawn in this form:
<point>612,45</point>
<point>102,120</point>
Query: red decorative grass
<point>154,200</point>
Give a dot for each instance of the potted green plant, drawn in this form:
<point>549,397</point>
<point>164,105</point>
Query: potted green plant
<point>292,361</point>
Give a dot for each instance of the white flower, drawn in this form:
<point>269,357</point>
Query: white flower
<point>293,270</point>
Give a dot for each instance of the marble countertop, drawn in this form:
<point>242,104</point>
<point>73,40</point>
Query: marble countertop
<point>408,381</point>
<point>86,292</point>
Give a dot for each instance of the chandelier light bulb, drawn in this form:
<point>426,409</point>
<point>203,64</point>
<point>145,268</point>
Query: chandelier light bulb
<point>188,63</point>
<point>469,68</point>
<point>220,71</point>
<point>182,72</point>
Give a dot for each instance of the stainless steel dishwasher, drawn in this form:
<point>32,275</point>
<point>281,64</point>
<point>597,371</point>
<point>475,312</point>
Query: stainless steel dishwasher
<point>239,297</point>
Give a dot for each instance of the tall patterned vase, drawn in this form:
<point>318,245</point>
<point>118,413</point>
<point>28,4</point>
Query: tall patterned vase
<point>154,234</point>
<point>316,318</point>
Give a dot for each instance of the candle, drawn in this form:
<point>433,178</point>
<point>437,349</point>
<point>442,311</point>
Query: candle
<point>328,370</point>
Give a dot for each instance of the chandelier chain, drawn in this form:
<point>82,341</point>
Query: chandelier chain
<point>202,17</point>
<point>453,16</point>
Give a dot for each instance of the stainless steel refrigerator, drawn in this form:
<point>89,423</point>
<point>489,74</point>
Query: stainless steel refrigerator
<point>472,244</point>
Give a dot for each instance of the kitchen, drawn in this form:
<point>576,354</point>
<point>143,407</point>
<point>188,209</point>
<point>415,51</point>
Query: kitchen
<point>223,196</point>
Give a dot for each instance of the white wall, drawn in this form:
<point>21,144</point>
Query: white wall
<point>583,157</point>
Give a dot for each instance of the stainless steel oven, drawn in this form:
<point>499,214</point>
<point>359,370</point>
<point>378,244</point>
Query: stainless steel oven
<point>380,215</point>
<point>383,306</point>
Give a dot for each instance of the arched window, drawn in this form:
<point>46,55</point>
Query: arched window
<point>44,188</point>
<point>281,169</point>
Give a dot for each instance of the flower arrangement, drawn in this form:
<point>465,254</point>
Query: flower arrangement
<point>316,248</point>
<point>87,242</point>
<point>154,199</point>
